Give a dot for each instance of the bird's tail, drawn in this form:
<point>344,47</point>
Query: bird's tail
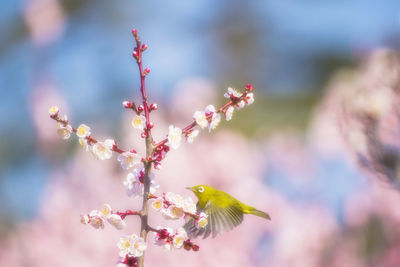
<point>260,214</point>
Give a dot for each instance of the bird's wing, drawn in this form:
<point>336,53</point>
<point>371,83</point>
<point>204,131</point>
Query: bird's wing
<point>219,220</point>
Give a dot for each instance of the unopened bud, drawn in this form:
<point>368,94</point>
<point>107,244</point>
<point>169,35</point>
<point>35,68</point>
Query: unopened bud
<point>134,32</point>
<point>127,104</point>
<point>249,87</point>
<point>159,157</point>
<point>143,135</point>
<point>166,148</point>
<point>151,125</point>
<point>135,54</point>
<point>195,247</point>
<point>140,108</point>
<point>133,151</point>
<point>146,71</point>
<point>144,47</point>
<point>157,165</point>
<point>153,106</point>
<point>187,246</point>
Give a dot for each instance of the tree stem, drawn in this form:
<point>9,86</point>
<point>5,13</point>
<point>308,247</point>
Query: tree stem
<point>144,228</point>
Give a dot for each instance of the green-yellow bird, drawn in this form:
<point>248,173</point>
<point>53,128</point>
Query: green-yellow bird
<point>224,212</point>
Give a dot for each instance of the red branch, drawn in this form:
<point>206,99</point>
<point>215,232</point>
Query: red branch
<point>139,50</point>
<point>90,139</point>
<point>189,127</point>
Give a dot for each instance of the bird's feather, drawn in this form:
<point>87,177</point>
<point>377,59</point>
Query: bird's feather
<point>220,219</point>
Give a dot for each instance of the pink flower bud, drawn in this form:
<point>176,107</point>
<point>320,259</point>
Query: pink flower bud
<point>144,47</point>
<point>160,157</point>
<point>134,32</point>
<point>127,104</point>
<point>166,148</point>
<point>153,106</point>
<point>140,108</point>
<point>249,87</point>
<point>135,54</point>
<point>151,125</point>
<point>157,165</point>
<point>146,71</point>
<point>143,135</point>
<point>195,247</point>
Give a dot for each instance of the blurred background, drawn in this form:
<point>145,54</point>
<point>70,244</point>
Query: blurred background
<point>318,150</point>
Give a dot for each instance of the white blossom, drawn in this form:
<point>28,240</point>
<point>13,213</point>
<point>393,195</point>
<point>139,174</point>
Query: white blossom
<point>172,212</point>
<point>175,199</point>
<point>131,245</point>
<point>116,221</point>
<point>64,131</point>
<point>209,109</point>
<point>157,203</point>
<point>84,219</point>
<point>189,206</point>
<point>129,160</point>
<point>240,105</point>
<point>84,144</point>
<point>139,122</point>
<point>174,137</point>
<point>232,92</point>
<point>202,221</point>
<point>201,119</point>
<point>215,120</point>
<point>124,245</point>
<point>139,246</point>
<point>229,113</point>
<point>96,219</point>
<point>83,131</point>
<point>192,135</point>
<point>134,183</point>
<point>249,99</point>
<point>106,211</point>
<point>103,150</point>
<point>53,110</point>
<point>179,238</point>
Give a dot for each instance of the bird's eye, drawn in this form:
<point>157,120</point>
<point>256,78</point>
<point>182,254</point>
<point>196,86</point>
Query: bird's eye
<point>201,189</point>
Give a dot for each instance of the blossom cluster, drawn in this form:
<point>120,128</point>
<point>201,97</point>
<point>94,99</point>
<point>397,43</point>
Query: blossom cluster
<point>134,183</point>
<point>173,206</point>
<point>97,218</point>
<point>169,239</point>
<point>131,246</point>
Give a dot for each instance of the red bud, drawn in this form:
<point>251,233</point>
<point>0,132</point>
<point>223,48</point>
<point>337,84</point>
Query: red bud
<point>249,87</point>
<point>127,104</point>
<point>157,165</point>
<point>153,106</point>
<point>140,108</point>
<point>143,135</point>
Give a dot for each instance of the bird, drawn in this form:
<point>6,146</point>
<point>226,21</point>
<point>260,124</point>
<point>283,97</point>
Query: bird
<point>224,212</point>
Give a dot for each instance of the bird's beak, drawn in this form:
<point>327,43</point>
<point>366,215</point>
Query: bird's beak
<point>189,188</point>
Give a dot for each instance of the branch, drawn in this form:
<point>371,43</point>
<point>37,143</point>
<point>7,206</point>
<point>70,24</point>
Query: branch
<point>137,54</point>
<point>89,139</point>
<point>233,101</point>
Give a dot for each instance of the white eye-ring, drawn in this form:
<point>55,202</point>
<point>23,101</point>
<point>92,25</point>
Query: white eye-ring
<point>201,189</point>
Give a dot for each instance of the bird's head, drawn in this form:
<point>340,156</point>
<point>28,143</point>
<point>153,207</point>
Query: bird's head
<point>202,192</point>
